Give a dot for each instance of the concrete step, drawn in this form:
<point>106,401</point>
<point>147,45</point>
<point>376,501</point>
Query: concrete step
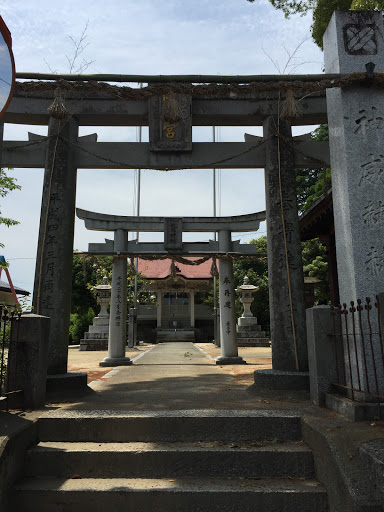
<point>168,495</point>
<point>169,426</point>
<point>147,460</point>
<point>176,336</point>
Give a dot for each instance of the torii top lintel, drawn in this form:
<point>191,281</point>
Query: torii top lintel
<point>104,222</point>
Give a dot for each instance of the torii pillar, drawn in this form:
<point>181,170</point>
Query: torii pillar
<point>53,275</point>
<point>228,334</point>
<point>285,268</point>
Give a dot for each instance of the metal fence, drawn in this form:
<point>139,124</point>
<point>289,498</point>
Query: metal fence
<point>9,324</point>
<point>358,343</point>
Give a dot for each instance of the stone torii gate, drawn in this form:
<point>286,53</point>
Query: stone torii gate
<point>241,101</point>
<point>224,249</point>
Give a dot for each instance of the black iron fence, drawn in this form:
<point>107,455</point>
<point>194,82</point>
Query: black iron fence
<point>358,344</point>
<point>9,325</point>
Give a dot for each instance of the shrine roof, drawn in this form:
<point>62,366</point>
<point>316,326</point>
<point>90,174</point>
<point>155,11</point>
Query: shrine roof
<point>161,269</point>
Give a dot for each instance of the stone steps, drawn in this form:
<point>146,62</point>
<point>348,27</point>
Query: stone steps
<point>169,495</point>
<point>169,426</point>
<point>169,461</point>
<point>148,460</point>
<point>172,335</point>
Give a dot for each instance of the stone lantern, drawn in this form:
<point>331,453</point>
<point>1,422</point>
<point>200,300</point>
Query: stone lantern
<point>97,336</point>
<point>249,333</point>
<point>247,290</point>
<point>104,297</point>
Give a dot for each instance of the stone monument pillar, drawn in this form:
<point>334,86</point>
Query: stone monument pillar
<point>118,310</point>
<point>354,42</point>
<point>97,336</point>
<point>53,275</point>
<point>228,336</point>
<point>249,333</point>
<point>356,140</point>
<point>285,269</point>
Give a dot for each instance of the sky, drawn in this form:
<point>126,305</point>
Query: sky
<point>228,37</point>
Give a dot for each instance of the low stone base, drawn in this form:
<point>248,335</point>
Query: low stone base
<point>279,379</point>
<point>253,342</point>
<point>63,382</point>
<point>94,344</point>
<point>230,360</point>
<point>115,361</point>
<point>354,411</point>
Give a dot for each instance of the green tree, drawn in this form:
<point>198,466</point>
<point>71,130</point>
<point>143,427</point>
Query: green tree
<point>315,264</point>
<point>312,183</point>
<point>7,184</point>
<point>323,10</point>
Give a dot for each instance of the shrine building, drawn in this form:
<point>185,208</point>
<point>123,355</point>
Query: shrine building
<point>179,311</point>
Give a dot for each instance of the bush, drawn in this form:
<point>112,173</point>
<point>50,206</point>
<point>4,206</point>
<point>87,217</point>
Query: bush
<point>79,324</point>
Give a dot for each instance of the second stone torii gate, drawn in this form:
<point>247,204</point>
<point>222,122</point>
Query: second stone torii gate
<point>224,249</point>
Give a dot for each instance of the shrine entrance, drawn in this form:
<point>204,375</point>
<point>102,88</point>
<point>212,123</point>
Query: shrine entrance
<point>176,311</point>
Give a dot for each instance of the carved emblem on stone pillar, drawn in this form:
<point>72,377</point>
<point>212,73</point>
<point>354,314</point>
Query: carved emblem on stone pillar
<point>360,39</point>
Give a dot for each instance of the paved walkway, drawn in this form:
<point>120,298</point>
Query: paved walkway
<point>173,376</point>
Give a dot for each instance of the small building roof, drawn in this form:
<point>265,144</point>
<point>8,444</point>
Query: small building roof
<point>4,287</point>
<point>161,269</point>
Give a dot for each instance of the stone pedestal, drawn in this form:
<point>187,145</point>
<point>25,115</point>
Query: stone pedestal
<point>249,333</point>
<point>97,336</point>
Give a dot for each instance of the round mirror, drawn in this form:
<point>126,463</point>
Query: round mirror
<point>7,67</point>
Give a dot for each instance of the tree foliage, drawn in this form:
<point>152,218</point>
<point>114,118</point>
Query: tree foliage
<point>323,10</point>
<point>7,184</point>
<point>312,183</point>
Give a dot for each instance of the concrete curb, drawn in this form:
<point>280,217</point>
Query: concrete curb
<point>339,466</point>
<point>17,434</point>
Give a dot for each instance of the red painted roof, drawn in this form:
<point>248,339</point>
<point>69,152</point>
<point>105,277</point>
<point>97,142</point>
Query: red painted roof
<point>161,269</point>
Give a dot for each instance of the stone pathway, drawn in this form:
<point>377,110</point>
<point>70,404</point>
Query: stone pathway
<point>172,376</point>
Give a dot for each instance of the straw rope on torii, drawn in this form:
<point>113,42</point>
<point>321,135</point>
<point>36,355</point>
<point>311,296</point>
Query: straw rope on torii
<point>293,86</point>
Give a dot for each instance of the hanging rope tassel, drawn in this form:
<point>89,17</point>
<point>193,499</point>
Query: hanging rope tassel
<point>290,108</point>
<point>214,270</point>
<point>58,110</point>
<point>171,108</point>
